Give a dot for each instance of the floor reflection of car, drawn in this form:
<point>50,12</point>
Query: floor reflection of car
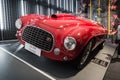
<point>61,37</point>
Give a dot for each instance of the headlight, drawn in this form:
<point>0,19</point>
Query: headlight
<point>69,43</point>
<point>18,23</point>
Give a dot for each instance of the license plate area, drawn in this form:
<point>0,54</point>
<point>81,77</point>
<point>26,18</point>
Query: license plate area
<point>33,49</point>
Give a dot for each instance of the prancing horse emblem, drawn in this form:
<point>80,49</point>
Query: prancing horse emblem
<point>48,39</point>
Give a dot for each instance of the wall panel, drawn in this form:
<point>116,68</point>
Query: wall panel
<point>12,9</point>
<point>10,12</point>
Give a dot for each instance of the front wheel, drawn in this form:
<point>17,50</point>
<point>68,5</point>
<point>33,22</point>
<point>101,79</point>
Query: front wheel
<point>83,59</point>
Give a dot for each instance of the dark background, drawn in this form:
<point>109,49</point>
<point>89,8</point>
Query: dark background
<point>11,10</point>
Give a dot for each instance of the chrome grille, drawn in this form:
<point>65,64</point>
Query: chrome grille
<point>38,37</point>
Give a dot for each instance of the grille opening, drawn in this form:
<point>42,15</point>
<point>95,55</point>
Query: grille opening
<point>38,37</point>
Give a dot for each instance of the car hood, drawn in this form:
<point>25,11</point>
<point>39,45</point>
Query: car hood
<point>67,23</point>
<point>59,24</point>
<point>58,21</point>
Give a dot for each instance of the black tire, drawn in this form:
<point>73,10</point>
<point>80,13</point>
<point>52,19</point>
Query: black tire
<point>83,59</point>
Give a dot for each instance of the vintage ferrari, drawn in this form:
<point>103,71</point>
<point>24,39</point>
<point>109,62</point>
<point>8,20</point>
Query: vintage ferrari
<point>61,37</point>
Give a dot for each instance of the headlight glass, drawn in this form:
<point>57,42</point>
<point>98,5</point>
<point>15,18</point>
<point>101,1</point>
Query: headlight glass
<point>18,23</point>
<point>69,43</point>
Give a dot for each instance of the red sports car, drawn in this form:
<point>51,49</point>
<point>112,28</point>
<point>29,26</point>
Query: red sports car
<point>62,37</point>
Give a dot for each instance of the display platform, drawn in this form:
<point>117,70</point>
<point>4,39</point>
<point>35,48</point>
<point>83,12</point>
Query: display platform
<point>19,64</point>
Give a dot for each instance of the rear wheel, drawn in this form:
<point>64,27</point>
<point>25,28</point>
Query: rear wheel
<point>82,60</point>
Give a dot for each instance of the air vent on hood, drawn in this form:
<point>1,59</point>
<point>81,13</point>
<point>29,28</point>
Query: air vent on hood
<point>54,16</point>
<point>62,15</point>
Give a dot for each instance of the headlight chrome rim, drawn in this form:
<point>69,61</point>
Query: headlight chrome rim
<point>70,43</point>
<point>18,23</point>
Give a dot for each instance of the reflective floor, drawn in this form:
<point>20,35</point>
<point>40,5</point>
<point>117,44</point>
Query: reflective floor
<point>18,64</point>
<point>13,69</point>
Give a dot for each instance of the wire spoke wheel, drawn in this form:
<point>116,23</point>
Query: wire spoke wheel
<point>85,55</point>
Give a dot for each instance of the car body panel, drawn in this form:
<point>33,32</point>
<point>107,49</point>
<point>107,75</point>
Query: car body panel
<point>61,26</point>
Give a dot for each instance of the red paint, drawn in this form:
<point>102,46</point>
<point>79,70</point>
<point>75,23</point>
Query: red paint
<point>61,26</point>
